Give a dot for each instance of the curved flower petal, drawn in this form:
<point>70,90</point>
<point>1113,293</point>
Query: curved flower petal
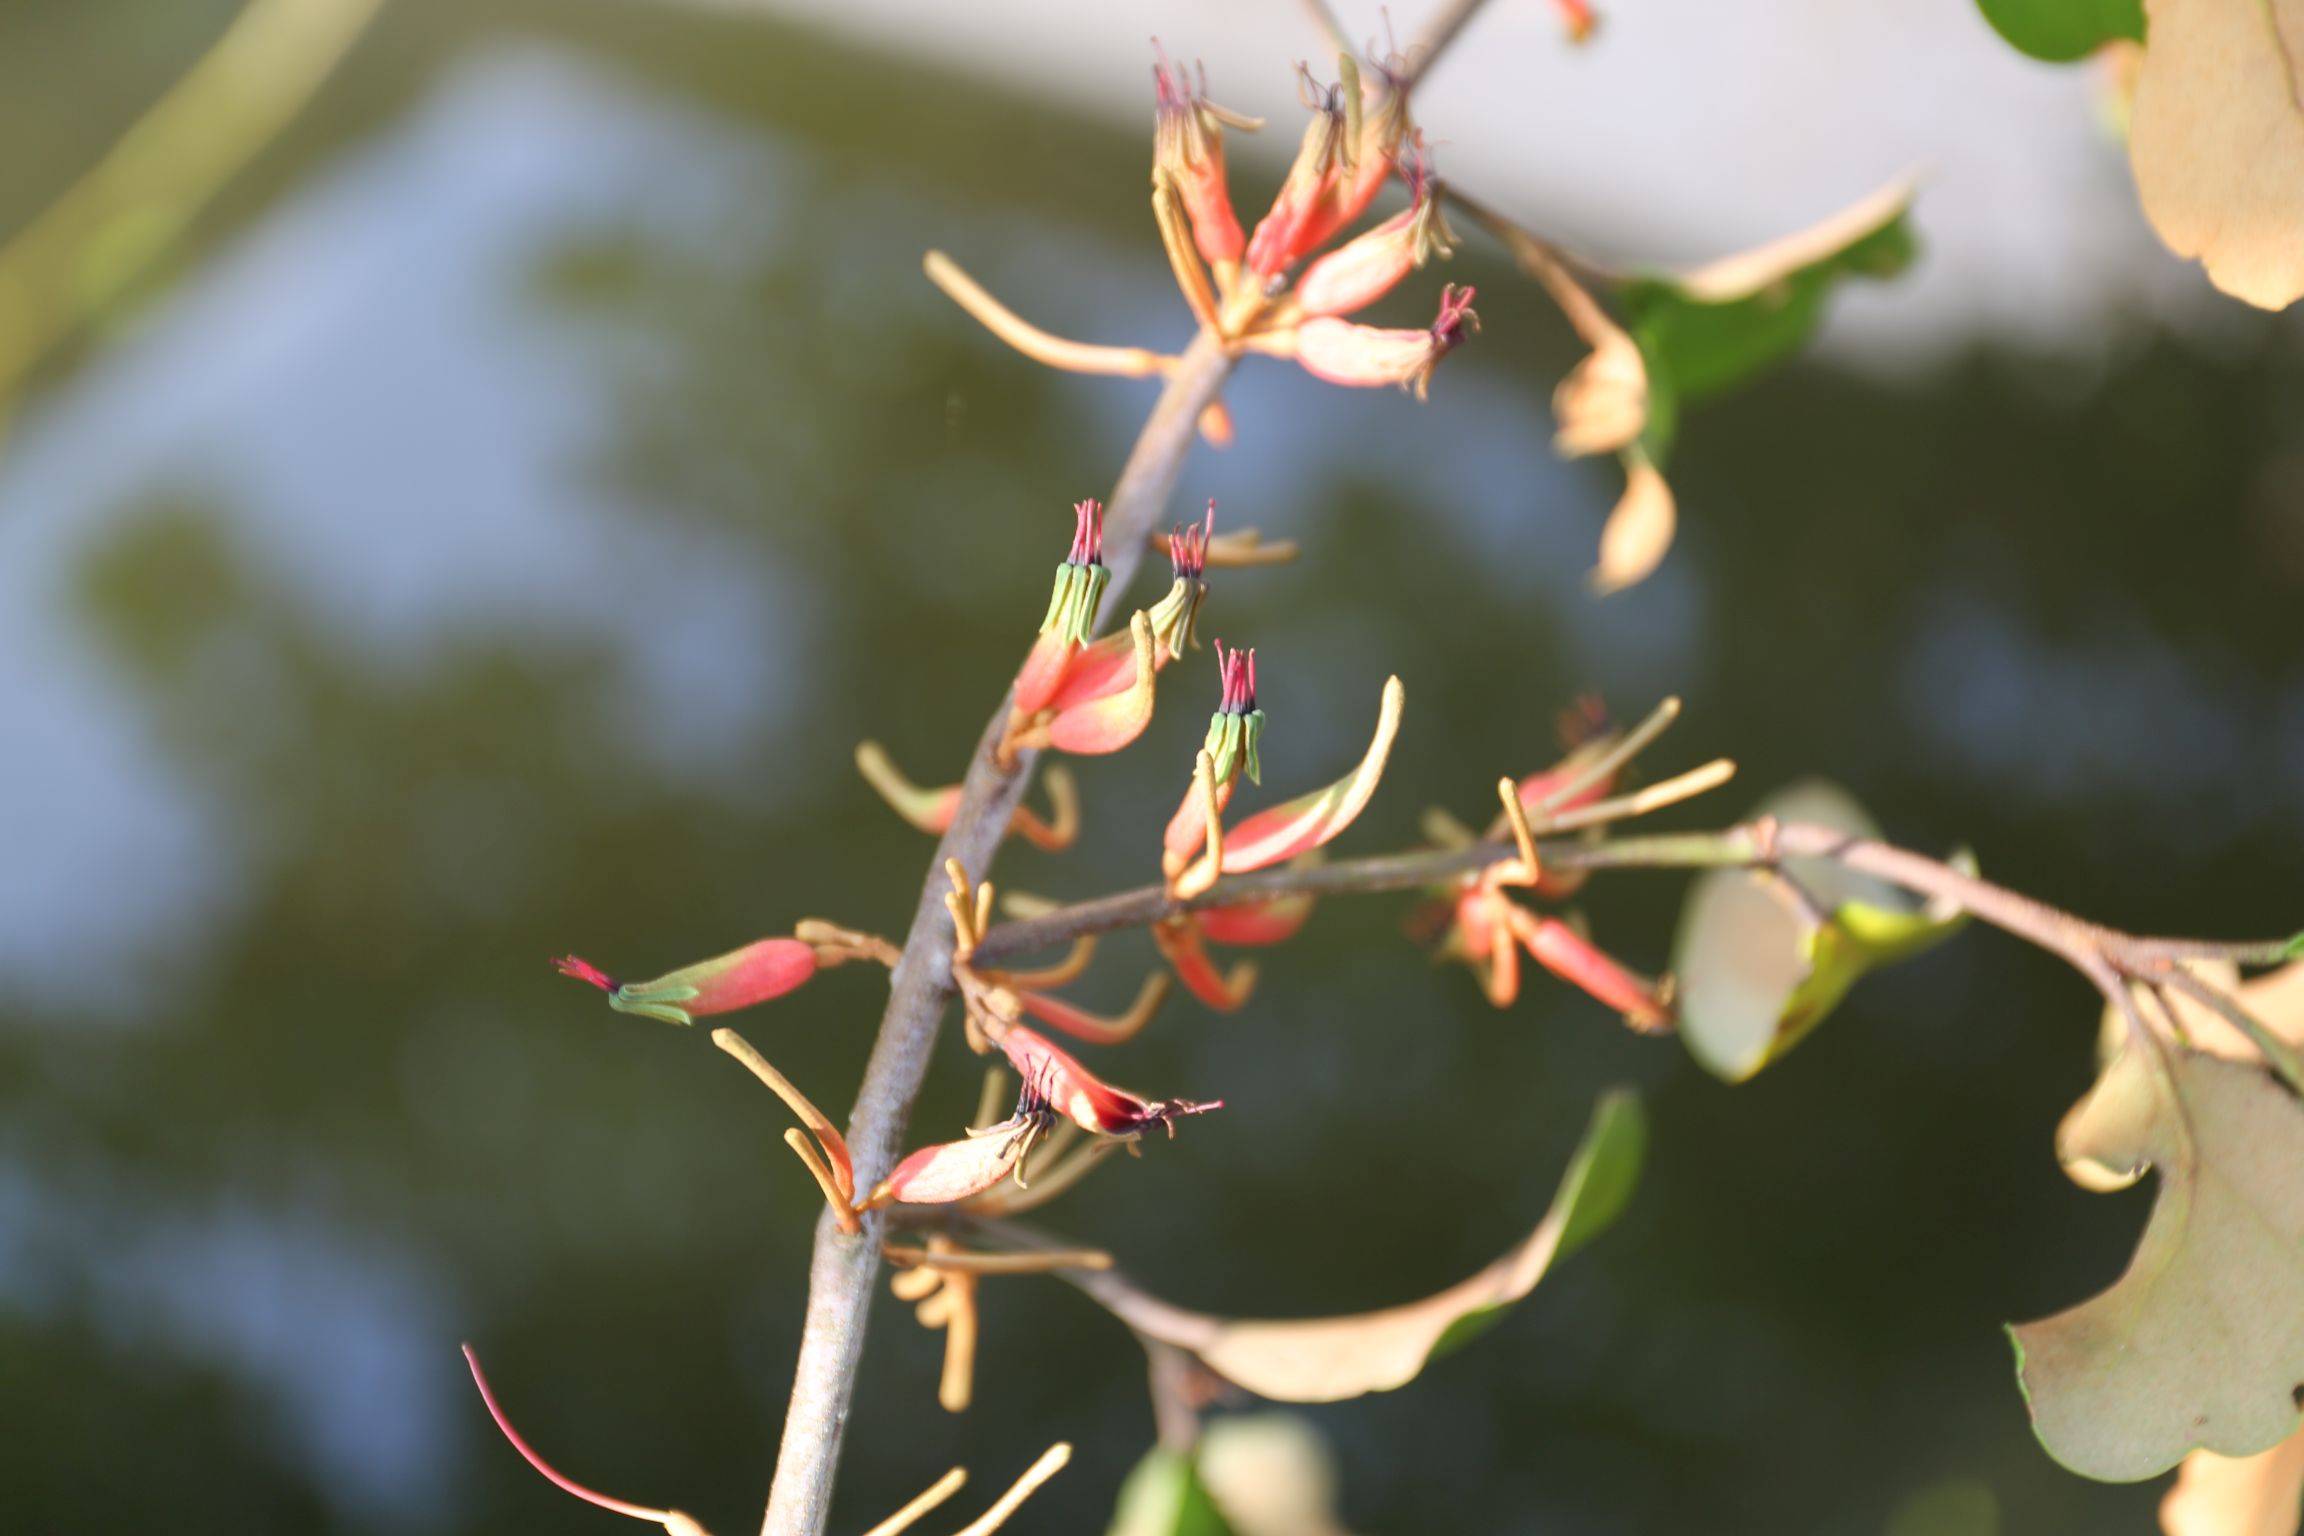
<point>1271,921</point>
<point>1110,723</point>
<point>1051,1073</point>
<point>954,1170</point>
<point>1310,820</point>
<point>1179,944</point>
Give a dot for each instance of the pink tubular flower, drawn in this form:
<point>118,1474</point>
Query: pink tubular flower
<point>955,1170</point>
<point>1292,227</point>
<point>1358,274</point>
<point>1188,149</point>
<point>1370,162</point>
<point>1071,615</point>
<point>1286,830</point>
<point>1089,697</point>
<point>1366,357</point>
<point>738,979</point>
<point>1071,1090</point>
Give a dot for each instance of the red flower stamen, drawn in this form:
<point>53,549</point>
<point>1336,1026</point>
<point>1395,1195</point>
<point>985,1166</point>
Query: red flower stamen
<point>1188,546</point>
<point>585,971</point>
<point>1088,532</point>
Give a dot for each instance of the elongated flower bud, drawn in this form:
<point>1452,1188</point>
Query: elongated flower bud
<point>1357,275</point>
<point>1079,1095</point>
<point>738,979</point>
<point>1188,148</point>
<point>1366,357</point>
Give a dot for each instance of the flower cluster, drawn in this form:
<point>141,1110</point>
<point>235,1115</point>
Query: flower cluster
<point>1285,288</point>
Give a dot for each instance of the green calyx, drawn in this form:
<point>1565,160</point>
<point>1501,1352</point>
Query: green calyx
<point>1072,603</point>
<point>659,1000</point>
<point>1175,616</point>
<point>1231,744</point>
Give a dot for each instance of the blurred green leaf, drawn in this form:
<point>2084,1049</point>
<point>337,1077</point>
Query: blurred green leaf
<point>1762,958</point>
<point>1165,1497</point>
<point>2061,31</point>
<point>1702,331</point>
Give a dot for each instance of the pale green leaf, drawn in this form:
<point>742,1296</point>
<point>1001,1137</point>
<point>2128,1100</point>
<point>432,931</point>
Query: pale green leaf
<point>1762,959</point>
<point>2200,1343</point>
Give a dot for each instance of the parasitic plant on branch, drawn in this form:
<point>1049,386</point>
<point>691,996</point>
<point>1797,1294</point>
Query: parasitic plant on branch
<point>1794,904</point>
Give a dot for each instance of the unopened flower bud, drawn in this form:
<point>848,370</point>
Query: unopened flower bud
<point>738,979</point>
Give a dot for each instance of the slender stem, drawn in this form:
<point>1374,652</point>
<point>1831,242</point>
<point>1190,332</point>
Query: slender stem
<point>1753,845</point>
<point>843,1268</point>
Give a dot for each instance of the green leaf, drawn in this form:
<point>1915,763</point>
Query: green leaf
<point>1702,331</point>
<point>1327,1359</point>
<point>1762,959</point>
<point>2200,1343</point>
<point>2061,31</point>
<point>1164,1496</point>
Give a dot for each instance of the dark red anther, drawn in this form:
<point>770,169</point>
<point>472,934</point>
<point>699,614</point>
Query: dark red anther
<point>1449,325</point>
<point>1188,546</point>
<point>1237,669</point>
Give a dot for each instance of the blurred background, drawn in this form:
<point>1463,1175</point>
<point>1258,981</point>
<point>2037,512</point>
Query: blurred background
<point>483,529</point>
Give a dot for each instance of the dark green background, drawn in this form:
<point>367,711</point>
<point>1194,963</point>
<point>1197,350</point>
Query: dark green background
<point>2041,605</point>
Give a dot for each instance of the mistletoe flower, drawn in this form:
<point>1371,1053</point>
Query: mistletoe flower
<point>1053,1077</point>
<point>1097,698</point>
<point>1356,275</point>
<point>956,1170</point>
<point>1369,357</point>
<point>1487,929</point>
<point>1075,696</point>
<point>1291,228</point>
<point>1071,615</point>
<point>1375,136</point>
<point>1188,151</point>
<point>738,979</point>
<point>1197,849</point>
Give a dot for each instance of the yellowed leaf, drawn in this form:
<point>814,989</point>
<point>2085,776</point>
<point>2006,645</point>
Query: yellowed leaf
<point>1639,531</point>
<point>1602,405</point>
<point>2259,1495</point>
<point>2217,140</point>
<point>1749,272</point>
<point>1328,1359</point>
<point>1271,1474</point>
